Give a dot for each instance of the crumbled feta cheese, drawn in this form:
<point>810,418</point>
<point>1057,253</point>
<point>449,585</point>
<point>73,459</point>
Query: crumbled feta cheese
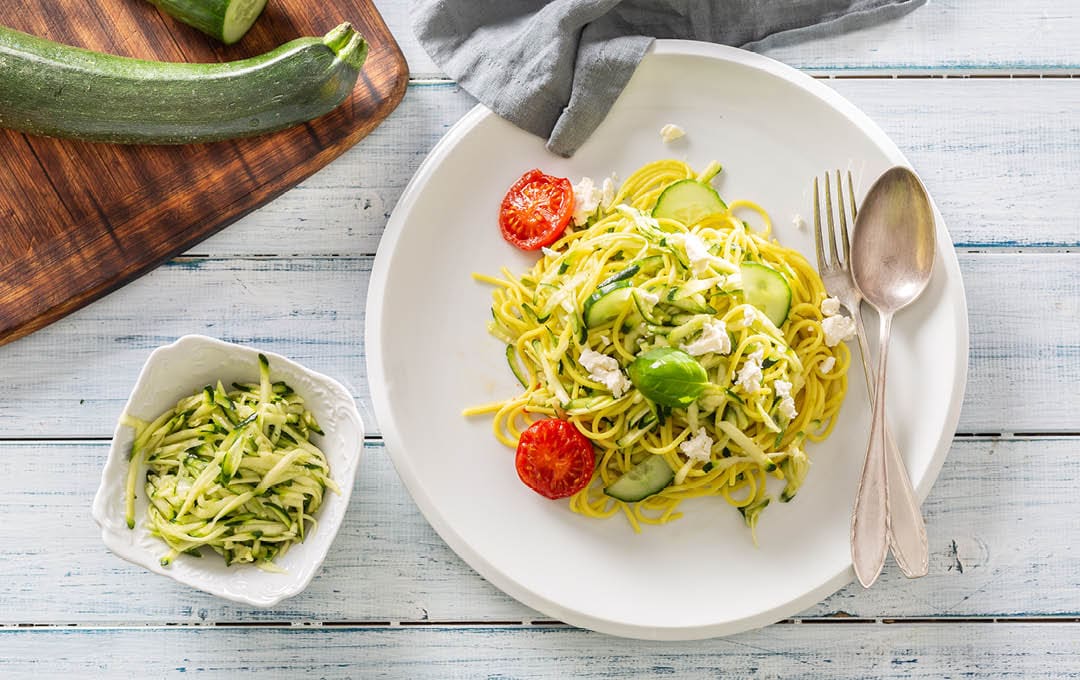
<point>830,306</point>
<point>787,408</point>
<point>798,221</point>
<point>604,341</point>
<point>749,315</point>
<point>837,329</point>
<point>586,200</point>
<point>782,388</point>
<point>607,193</point>
<point>749,377</point>
<point>732,282</point>
<point>698,253</point>
<point>697,447</point>
<point>670,132</point>
<point>787,402</point>
<point>827,365</point>
<point>605,370</point>
<point>646,296</point>
<point>549,252</point>
<point>714,338</point>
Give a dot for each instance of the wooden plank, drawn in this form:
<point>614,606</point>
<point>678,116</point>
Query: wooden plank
<point>107,213</point>
<point>999,518</point>
<point>808,651</point>
<point>999,157</point>
<point>955,35</point>
<point>311,310</point>
<point>72,379</point>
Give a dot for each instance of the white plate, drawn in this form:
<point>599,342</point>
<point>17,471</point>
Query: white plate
<point>429,355</point>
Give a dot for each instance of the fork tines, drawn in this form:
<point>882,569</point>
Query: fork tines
<point>834,261</point>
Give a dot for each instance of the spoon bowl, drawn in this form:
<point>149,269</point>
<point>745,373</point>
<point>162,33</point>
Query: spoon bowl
<point>892,249</point>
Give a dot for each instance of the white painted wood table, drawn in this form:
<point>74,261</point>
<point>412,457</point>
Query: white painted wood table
<point>982,97</point>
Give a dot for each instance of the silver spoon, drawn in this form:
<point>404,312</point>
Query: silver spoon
<point>892,256</point>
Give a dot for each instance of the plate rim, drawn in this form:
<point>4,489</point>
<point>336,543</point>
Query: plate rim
<point>406,470</point>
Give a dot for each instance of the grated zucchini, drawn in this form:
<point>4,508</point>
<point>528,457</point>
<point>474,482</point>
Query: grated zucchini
<point>233,471</point>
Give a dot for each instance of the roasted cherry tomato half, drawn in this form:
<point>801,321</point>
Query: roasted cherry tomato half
<point>554,459</point>
<point>535,211</point>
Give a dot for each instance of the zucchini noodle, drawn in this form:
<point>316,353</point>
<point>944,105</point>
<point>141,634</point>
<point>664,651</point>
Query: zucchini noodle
<point>680,289</point>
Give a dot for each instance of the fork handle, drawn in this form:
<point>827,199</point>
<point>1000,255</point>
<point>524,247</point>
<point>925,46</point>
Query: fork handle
<point>907,530</point>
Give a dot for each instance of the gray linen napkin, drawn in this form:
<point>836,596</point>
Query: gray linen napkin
<point>555,67</point>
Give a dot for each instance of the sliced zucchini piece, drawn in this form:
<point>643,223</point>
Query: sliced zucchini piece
<point>768,290</point>
<point>688,201</point>
<point>606,303</point>
<point>621,275</point>
<point>644,308</point>
<point>583,405</point>
<point>226,20</point>
<point>695,304</point>
<point>643,426</point>
<point>651,264</point>
<point>511,358</point>
<point>751,512</point>
<point>643,480</point>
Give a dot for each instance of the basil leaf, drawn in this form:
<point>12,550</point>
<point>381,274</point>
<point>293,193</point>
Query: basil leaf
<point>668,376</point>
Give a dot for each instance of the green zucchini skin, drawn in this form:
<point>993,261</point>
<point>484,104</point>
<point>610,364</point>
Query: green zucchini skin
<point>226,20</point>
<point>61,91</point>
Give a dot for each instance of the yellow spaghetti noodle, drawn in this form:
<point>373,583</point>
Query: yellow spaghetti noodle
<point>750,434</point>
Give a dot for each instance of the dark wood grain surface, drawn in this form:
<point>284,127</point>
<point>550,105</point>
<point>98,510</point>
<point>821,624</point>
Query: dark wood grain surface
<point>77,220</point>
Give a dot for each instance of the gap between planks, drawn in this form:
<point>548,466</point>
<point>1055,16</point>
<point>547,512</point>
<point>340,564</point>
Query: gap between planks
<point>838,619</point>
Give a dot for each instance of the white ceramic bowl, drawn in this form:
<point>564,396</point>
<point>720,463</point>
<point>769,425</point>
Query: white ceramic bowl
<point>180,369</point>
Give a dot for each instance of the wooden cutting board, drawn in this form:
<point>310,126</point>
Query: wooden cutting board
<point>78,220</point>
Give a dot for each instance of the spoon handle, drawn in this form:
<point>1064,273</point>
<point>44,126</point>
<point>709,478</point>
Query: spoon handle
<point>870,519</point>
<point>907,530</point>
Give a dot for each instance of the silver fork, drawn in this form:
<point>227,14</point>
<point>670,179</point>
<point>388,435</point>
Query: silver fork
<point>907,531</point>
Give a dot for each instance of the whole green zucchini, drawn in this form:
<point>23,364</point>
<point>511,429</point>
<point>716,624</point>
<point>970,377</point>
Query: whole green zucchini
<point>226,20</point>
<point>61,91</point>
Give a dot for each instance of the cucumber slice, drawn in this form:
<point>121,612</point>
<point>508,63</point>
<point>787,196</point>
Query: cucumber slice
<point>768,290</point>
<point>641,481</point>
<point>688,201</point>
<point>605,305</point>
